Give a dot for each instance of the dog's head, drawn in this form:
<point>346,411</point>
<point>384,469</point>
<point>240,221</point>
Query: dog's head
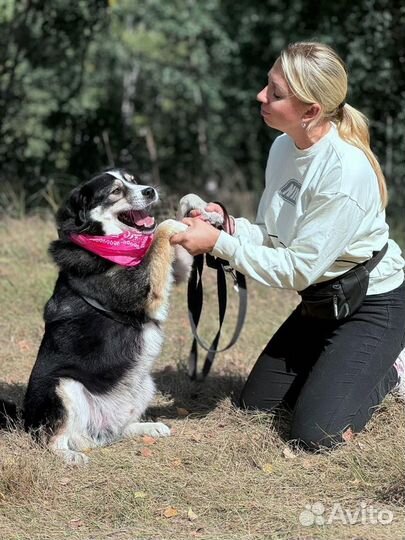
<point>108,204</point>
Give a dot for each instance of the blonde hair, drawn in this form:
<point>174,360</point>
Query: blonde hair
<point>316,74</point>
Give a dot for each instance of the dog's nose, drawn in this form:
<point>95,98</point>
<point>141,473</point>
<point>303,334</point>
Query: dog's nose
<point>148,193</point>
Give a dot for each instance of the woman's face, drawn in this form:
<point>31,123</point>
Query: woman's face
<point>280,108</point>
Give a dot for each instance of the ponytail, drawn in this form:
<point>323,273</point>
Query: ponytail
<point>353,128</point>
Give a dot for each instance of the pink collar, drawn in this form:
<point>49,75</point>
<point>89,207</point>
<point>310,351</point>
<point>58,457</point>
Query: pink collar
<point>125,249</point>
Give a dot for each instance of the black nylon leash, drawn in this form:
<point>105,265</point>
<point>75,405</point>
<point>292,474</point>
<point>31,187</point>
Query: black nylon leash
<point>195,299</point>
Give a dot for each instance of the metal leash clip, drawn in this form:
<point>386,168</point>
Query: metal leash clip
<point>231,271</point>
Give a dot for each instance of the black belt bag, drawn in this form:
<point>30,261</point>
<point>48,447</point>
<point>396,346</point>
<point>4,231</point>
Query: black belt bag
<point>340,297</point>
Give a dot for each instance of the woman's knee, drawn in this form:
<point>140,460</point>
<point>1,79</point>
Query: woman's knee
<point>250,399</point>
<point>310,435</point>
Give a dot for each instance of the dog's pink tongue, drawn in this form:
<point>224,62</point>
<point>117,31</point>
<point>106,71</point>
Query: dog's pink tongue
<point>148,221</point>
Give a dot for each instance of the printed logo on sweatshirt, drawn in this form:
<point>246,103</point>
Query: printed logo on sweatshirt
<point>289,192</point>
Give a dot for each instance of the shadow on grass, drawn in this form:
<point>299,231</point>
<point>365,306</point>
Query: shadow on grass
<point>13,392</point>
<point>200,397</point>
<point>11,399</point>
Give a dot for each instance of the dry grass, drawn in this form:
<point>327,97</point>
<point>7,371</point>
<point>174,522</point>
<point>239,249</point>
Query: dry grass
<point>224,474</point>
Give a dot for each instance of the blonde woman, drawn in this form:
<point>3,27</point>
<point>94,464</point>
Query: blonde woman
<point>320,215</point>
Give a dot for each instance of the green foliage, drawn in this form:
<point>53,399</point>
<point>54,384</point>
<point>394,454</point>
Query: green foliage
<point>42,50</point>
<point>169,88</point>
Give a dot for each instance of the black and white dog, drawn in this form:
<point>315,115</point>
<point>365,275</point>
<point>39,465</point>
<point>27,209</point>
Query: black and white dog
<point>92,381</point>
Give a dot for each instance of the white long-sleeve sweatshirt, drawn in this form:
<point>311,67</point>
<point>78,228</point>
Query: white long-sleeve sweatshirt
<point>320,214</point>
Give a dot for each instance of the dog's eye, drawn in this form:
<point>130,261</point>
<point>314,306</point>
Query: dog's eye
<point>116,191</point>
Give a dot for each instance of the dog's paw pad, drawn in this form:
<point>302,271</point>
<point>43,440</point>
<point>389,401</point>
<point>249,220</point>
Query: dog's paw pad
<point>214,218</point>
<point>194,202</point>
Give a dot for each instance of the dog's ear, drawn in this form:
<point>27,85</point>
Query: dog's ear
<point>73,216</point>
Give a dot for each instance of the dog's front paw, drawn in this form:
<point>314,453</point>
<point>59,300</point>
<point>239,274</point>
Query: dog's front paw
<point>169,227</point>
<point>194,202</point>
<point>214,218</point>
<point>190,202</point>
<point>157,429</point>
<point>153,429</point>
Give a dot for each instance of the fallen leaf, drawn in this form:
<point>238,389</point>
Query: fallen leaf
<point>170,512</point>
<point>64,481</point>
<point>288,453</point>
<point>24,345</point>
<point>148,440</point>
<point>267,468</point>
<point>139,494</point>
<point>146,452</point>
<point>196,437</point>
<point>348,435</point>
<point>168,369</point>
<point>177,462</point>
<point>191,515</point>
<point>197,532</point>
<point>355,482</point>
<point>76,523</point>
<point>182,412</point>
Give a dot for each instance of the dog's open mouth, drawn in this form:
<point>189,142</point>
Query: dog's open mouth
<point>138,219</point>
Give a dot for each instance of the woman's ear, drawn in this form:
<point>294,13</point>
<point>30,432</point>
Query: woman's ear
<point>312,113</point>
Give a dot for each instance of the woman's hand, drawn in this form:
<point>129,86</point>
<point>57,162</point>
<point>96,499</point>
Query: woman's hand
<point>229,226</point>
<point>200,237</point>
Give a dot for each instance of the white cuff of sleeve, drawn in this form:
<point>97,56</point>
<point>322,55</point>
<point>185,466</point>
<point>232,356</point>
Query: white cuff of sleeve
<point>225,246</point>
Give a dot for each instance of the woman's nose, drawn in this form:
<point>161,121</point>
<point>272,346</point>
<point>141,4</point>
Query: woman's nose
<point>262,95</point>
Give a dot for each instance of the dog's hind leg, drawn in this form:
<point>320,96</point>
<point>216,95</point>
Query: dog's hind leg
<point>72,437</point>
<point>59,444</point>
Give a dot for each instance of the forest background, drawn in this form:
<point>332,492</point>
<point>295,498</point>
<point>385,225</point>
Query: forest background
<point>168,90</point>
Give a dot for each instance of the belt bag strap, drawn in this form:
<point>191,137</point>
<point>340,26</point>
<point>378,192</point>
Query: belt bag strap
<point>342,296</point>
<point>376,258</point>
<point>369,265</point>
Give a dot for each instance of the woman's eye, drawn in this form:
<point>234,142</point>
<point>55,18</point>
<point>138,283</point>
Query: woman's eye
<point>275,96</point>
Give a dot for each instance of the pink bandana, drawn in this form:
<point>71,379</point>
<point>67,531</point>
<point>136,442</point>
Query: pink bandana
<point>126,249</point>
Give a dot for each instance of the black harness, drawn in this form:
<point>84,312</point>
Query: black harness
<point>127,319</point>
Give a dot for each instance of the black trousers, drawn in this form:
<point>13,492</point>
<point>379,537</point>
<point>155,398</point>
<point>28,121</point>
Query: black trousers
<point>332,374</point>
